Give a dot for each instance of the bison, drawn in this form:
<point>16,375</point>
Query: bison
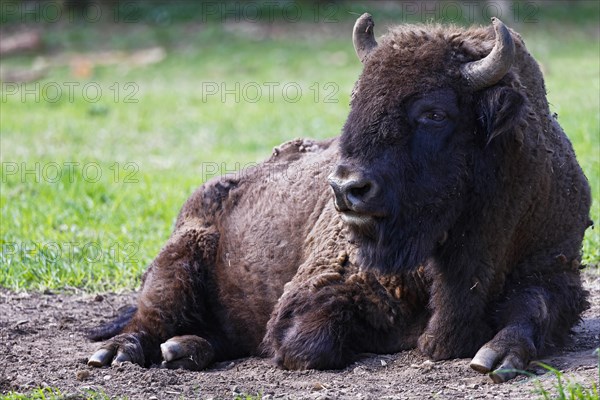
<point>448,216</point>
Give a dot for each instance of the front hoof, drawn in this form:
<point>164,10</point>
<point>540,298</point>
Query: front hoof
<point>308,344</point>
<point>509,365</point>
<point>505,356</point>
<point>298,360</point>
<point>484,360</point>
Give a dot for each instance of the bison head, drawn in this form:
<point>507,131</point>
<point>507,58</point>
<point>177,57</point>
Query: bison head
<point>431,115</point>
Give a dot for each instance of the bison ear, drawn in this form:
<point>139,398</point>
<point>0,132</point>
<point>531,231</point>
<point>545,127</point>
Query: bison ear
<point>502,112</point>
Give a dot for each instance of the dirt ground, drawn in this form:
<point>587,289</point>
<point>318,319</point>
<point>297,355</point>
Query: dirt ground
<point>42,344</point>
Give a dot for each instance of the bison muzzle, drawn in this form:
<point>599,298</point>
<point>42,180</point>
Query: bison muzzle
<point>448,216</point>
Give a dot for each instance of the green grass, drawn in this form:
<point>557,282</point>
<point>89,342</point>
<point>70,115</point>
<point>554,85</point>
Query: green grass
<point>99,232</point>
<point>561,386</point>
<point>244,396</point>
<point>36,394</point>
<point>564,388</point>
<point>55,394</point>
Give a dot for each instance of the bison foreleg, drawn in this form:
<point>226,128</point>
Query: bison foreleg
<point>327,322</point>
<point>308,328</point>
<point>537,313</point>
<point>457,327</point>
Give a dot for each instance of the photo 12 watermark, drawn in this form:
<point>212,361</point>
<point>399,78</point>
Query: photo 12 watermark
<point>468,11</point>
<point>69,252</point>
<point>270,11</point>
<point>69,171</point>
<point>71,92</point>
<point>271,172</point>
<point>271,92</point>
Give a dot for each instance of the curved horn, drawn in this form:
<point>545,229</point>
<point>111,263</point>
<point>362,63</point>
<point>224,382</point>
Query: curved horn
<point>363,36</point>
<point>489,70</point>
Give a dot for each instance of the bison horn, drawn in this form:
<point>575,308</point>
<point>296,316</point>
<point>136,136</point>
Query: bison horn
<point>363,36</point>
<point>489,70</point>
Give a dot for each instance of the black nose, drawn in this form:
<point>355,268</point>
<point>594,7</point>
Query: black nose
<point>351,194</point>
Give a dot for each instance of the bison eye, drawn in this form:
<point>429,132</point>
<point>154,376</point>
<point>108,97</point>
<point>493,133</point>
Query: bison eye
<point>435,116</point>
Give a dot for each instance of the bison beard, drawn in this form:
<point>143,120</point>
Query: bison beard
<point>455,226</point>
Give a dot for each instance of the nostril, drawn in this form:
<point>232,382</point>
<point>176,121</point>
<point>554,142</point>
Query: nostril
<point>350,193</point>
<point>360,191</point>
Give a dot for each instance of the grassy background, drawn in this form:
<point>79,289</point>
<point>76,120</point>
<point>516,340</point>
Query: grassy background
<point>97,232</point>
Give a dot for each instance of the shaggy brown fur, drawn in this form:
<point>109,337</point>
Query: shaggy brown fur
<point>472,240</point>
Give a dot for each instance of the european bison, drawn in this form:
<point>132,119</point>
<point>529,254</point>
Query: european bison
<point>455,225</point>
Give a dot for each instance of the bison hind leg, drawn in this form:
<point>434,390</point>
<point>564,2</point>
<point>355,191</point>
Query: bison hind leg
<point>126,347</point>
<point>187,352</point>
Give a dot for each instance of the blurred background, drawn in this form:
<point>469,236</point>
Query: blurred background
<point>113,112</point>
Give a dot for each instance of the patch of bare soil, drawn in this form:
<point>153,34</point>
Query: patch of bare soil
<point>42,343</point>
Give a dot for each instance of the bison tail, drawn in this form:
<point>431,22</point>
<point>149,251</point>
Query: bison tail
<point>114,327</point>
